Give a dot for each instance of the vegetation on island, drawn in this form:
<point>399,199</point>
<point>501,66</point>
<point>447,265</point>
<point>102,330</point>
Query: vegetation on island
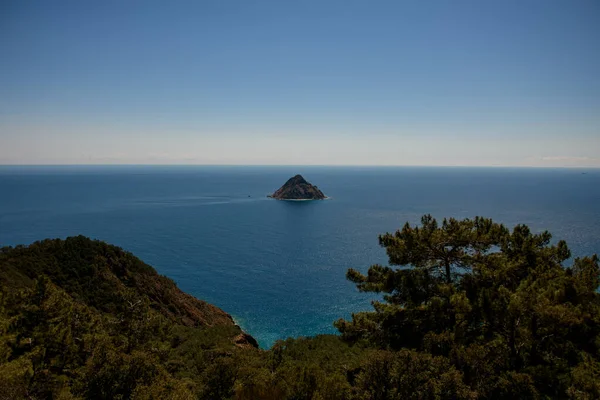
<point>470,310</point>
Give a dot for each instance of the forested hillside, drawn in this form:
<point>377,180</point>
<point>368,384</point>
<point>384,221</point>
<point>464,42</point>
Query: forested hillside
<point>470,310</point>
<point>81,318</point>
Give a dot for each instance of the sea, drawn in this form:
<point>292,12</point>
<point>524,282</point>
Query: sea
<point>278,267</point>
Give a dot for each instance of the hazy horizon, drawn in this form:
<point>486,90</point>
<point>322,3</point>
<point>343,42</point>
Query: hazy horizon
<point>434,83</point>
<point>366,166</point>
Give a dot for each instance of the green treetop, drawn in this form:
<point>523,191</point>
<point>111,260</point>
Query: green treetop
<point>499,305</point>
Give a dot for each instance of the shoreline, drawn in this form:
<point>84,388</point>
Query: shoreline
<point>275,198</point>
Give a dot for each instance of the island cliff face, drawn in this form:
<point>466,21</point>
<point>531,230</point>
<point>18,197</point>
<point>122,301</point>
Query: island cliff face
<point>297,188</point>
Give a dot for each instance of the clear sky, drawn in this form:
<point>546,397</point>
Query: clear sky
<point>482,82</point>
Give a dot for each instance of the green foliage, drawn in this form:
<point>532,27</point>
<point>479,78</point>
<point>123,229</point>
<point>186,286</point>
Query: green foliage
<point>497,306</point>
<point>98,275</point>
<point>82,319</point>
<point>304,368</point>
<point>470,310</point>
<point>408,374</point>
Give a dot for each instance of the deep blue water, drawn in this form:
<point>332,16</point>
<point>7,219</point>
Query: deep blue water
<point>279,267</point>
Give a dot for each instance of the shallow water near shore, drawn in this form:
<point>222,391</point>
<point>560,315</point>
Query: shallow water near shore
<point>279,266</point>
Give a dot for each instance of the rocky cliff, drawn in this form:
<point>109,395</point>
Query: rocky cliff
<point>297,188</point>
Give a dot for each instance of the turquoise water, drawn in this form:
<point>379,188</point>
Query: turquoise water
<point>278,267</point>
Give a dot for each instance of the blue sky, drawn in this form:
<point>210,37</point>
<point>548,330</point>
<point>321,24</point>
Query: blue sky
<point>499,83</point>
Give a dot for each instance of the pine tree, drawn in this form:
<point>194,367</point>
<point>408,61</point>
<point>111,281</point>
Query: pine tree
<point>499,305</point>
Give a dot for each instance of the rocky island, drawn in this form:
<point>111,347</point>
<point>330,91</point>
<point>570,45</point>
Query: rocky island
<point>297,188</point>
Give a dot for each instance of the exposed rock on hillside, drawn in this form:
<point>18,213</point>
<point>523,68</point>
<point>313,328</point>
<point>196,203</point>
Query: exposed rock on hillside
<point>297,188</point>
<point>108,279</point>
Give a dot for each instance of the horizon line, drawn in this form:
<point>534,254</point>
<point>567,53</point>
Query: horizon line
<point>304,165</point>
